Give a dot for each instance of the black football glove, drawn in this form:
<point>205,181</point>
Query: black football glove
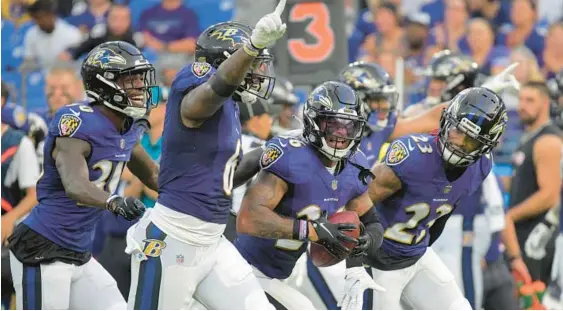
<point>363,242</point>
<point>370,239</point>
<point>332,235</point>
<point>129,207</point>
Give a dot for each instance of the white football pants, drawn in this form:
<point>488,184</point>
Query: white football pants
<point>60,285</point>
<point>426,285</point>
<point>462,253</point>
<point>167,273</point>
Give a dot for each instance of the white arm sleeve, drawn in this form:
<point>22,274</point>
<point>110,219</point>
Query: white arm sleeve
<point>494,208</point>
<point>27,164</point>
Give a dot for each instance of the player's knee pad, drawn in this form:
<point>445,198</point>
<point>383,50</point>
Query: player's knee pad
<point>460,304</point>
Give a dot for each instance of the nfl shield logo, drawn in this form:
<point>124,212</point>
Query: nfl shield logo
<point>180,259</point>
<point>122,143</point>
<point>334,184</point>
<point>448,189</point>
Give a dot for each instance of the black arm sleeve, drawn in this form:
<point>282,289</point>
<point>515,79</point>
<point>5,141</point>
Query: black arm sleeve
<point>352,262</point>
<point>374,229</point>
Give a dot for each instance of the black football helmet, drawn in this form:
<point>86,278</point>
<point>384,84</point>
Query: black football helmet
<point>372,83</point>
<point>118,75</point>
<point>221,40</point>
<point>334,119</point>
<point>480,114</point>
<point>457,70</point>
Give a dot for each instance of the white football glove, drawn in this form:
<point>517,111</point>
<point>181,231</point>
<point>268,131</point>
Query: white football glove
<point>269,28</point>
<point>540,235</point>
<point>503,80</point>
<point>357,281</point>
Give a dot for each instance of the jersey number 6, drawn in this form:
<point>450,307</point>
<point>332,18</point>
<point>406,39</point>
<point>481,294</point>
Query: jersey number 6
<point>229,171</point>
<point>319,28</point>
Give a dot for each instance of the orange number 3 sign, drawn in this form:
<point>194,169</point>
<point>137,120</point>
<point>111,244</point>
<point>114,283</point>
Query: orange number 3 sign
<point>318,27</point>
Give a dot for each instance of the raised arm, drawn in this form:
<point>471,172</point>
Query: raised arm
<point>422,123</point>
<point>142,166</point>
<point>202,102</point>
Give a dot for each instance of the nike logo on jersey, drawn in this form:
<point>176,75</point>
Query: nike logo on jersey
<point>282,143</point>
<point>411,148</point>
<point>76,114</point>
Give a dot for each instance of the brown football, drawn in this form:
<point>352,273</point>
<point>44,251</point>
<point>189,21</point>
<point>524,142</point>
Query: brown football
<point>320,256</point>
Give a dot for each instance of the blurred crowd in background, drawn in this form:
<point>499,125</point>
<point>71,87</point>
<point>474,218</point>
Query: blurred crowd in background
<point>44,41</point>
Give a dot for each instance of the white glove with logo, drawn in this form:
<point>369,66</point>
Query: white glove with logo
<point>269,28</point>
<point>357,281</point>
<point>503,80</point>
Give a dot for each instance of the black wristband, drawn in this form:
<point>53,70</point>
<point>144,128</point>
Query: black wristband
<point>369,217</point>
<point>221,87</point>
<point>352,262</point>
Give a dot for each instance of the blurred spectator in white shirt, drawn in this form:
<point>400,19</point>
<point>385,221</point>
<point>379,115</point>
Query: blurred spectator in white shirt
<point>49,36</point>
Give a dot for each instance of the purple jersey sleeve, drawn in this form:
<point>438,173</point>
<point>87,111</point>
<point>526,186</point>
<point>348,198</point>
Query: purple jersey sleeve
<point>400,158</point>
<point>72,121</point>
<point>191,76</point>
<point>287,159</point>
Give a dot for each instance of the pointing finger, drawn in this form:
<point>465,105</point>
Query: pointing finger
<point>279,9</point>
<point>510,69</point>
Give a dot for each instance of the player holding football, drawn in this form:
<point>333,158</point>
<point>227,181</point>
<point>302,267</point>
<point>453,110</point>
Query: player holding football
<point>304,179</point>
<point>86,148</point>
<point>178,249</point>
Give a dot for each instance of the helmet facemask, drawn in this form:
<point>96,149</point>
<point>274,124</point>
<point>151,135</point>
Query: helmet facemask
<point>335,134</point>
<point>456,155</point>
<point>259,81</point>
<point>132,92</point>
